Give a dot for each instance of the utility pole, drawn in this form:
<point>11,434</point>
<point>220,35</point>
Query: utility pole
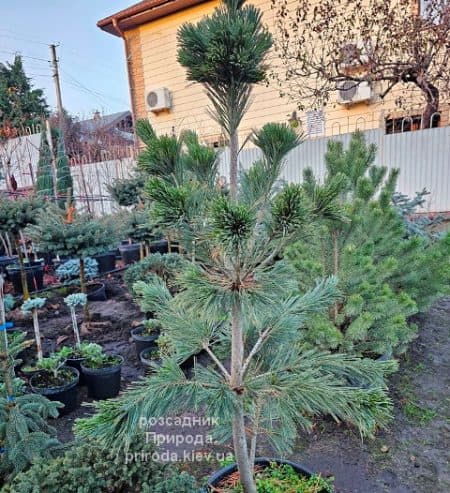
<point>59,104</point>
<point>56,80</point>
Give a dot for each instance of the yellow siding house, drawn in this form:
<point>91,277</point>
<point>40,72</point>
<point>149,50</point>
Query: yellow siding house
<point>161,93</point>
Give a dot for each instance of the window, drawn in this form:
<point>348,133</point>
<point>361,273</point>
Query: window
<point>315,122</point>
<point>408,123</point>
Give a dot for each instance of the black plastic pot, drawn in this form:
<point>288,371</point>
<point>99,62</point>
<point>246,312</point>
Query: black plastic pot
<point>220,475</point>
<point>160,246</point>
<point>66,394</point>
<point>34,273</point>
<point>146,357</point>
<point>76,363</point>
<point>5,261</point>
<point>106,261</point>
<point>143,341</point>
<point>96,292</point>
<point>130,253</point>
<point>103,383</point>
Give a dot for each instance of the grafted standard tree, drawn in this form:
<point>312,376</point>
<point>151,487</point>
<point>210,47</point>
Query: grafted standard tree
<point>241,305</point>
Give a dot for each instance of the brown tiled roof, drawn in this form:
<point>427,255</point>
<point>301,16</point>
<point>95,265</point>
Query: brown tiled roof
<point>141,13</point>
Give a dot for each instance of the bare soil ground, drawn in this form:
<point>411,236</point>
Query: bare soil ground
<point>411,457</point>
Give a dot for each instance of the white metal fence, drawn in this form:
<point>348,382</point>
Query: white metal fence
<point>423,158</point>
<point>91,181</point>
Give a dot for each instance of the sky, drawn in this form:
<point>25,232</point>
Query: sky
<point>92,62</point>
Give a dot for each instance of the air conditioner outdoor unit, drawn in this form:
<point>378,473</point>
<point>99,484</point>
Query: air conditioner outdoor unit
<point>159,100</point>
<point>351,92</point>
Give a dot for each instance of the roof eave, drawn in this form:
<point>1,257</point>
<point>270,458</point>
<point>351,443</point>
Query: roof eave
<point>143,13</point>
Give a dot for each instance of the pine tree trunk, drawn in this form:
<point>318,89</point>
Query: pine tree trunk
<point>335,267</point>
<point>239,436</point>
<point>241,450</point>
<point>23,274</point>
<point>234,151</point>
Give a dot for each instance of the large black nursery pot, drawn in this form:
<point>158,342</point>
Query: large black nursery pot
<point>67,394</point>
<point>76,363</point>
<point>159,246</point>
<point>103,383</point>
<point>223,473</point>
<point>106,261</point>
<point>96,291</point>
<point>130,253</point>
<point>143,341</point>
<point>34,272</point>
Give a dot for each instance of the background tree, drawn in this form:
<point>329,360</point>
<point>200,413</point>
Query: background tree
<point>44,172</point>
<point>20,104</point>
<point>390,44</point>
<point>225,52</point>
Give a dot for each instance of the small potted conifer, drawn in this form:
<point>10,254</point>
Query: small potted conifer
<point>57,382</point>
<point>32,306</point>
<point>102,372</point>
<point>146,335</point>
<point>153,356</point>
<point>75,355</point>
<point>78,236</point>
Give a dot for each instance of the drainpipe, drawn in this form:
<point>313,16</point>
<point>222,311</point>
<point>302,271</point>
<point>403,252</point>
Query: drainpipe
<point>119,31</point>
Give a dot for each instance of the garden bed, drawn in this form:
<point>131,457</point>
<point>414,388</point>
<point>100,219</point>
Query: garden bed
<point>408,458</point>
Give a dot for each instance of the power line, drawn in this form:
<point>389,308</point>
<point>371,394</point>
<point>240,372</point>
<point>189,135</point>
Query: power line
<point>24,56</point>
<point>93,91</point>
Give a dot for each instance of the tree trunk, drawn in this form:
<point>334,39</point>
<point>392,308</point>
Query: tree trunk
<point>83,289</point>
<point>239,436</point>
<point>431,94</point>
<point>234,151</point>
<point>23,274</point>
<point>241,450</point>
<point>37,334</point>
<point>335,267</point>
<point>75,327</point>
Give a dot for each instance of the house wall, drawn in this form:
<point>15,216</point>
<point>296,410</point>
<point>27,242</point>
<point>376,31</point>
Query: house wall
<point>152,50</point>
